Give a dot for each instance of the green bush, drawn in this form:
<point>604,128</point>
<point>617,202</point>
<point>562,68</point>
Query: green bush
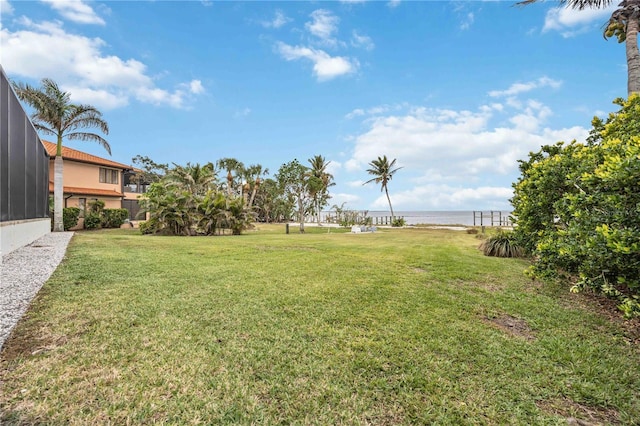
<point>70,217</point>
<point>398,222</point>
<point>148,226</point>
<point>114,218</point>
<point>502,244</point>
<point>92,220</point>
<point>578,208</point>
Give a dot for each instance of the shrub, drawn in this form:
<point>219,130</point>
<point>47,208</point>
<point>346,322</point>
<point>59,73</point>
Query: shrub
<point>472,231</point>
<point>92,220</point>
<point>398,222</point>
<point>70,217</point>
<point>578,208</point>
<point>503,244</point>
<point>114,218</point>
<point>148,226</point>
<point>96,206</point>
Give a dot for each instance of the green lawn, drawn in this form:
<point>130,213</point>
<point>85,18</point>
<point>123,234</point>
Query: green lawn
<point>410,326</point>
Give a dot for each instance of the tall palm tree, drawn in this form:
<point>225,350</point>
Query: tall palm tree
<point>54,114</point>
<point>624,24</point>
<point>252,175</point>
<point>230,165</point>
<point>383,172</point>
<point>324,180</point>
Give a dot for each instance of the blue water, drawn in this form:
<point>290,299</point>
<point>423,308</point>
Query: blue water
<point>448,217</point>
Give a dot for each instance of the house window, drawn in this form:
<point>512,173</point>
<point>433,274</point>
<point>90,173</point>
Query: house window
<point>109,175</point>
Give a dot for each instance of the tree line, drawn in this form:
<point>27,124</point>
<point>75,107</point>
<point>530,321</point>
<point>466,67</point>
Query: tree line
<point>193,199</point>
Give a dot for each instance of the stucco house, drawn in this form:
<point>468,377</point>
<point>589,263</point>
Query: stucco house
<point>87,178</point>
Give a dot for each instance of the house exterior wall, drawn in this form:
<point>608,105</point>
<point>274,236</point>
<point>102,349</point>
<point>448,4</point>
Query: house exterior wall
<point>109,202</point>
<point>85,175</point>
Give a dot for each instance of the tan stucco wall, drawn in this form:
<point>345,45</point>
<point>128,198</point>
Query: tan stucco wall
<point>82,175</point>
<point>109,203</point>
<point>132,196</point>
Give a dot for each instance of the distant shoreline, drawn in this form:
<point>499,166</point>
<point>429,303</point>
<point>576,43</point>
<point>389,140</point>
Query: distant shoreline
<point>435,217</point>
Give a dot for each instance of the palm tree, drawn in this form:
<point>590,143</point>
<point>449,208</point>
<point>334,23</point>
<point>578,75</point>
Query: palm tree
<point>230,165</point>
<point>54,114</point>
<point>324,180</point>
<point>383,172</point>
<point>196,179</point>
<point>252,175</point>
<point>624,24</point>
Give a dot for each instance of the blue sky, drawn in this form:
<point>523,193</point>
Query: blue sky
<point>457,92</point>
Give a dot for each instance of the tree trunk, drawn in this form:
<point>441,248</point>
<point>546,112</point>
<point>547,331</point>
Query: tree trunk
<point>633,56</point>
<point>301,213</point>
<point>389,200</point>
<point>58,194</point>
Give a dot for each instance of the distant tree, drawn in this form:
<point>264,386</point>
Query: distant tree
<point>253,177</point>
<point>293,180</point>
<point>188,201</point>
<point>623,24</point>
<point>196,179</point>
<point>231,165</point>
<point>54,114</point>
<point>150,170</point>
<point>320,181</point>
<point>383,171</point>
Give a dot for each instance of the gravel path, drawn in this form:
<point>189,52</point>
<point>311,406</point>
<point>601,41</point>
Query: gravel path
<point>22,273</point>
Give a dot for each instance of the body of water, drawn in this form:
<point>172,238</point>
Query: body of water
<point>454,217</point>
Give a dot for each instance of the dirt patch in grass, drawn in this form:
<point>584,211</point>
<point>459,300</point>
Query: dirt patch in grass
<point>28,341</point>
<point>513,326</point>
<point>579,414</point>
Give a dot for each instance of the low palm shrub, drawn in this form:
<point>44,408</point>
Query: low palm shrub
<point>502,244</point>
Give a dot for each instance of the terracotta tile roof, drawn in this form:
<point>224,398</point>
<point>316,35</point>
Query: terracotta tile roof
<point>73,154</point>
<point>88,191</point>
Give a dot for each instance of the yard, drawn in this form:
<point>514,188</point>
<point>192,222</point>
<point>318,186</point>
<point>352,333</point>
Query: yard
<point>402,326</point>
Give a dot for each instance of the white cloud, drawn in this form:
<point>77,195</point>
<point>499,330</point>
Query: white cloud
<point>448,197</point>
<point>242,113</point>
<point>196,87</point>
<point>517,88</point>
<point>75,10</point>
<point>5,7</point>
<point>77,62</point>
<point>325,67</point>
<point>374,111</point>
<point>97,97</point>
<point>394,3</point>
<point>573,21</point>
<point>455,158</point>
<point>279,20</point>
<point>358,112</point>
<point>467,21</point>
<point>323,25</point>
<point>363,41</point>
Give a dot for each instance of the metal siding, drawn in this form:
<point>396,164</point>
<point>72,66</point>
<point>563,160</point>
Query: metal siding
<point>4,149</point>
<point>24,163</point>
<point>31,160</point>
<point>17,163</point>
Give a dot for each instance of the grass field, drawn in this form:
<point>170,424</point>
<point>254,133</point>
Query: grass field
<point>410,326</point>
